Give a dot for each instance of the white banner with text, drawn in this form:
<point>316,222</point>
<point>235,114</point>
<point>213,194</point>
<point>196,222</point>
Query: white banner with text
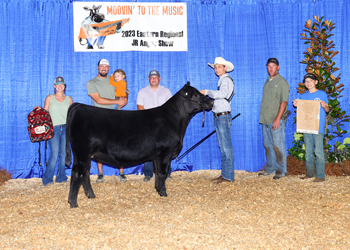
<point>120,26</point>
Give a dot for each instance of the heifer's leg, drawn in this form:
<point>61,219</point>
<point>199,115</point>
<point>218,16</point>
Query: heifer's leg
<point>87,184</point>
<point>79,171</point>
<point>161,167</point>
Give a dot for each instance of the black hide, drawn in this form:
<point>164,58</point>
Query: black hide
<point>122,138</point>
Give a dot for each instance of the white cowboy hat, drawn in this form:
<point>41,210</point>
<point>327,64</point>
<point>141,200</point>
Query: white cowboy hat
<point>220,60</point>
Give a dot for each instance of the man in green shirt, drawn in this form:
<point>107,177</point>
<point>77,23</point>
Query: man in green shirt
<point>273,110</point>
<point>103,96</point>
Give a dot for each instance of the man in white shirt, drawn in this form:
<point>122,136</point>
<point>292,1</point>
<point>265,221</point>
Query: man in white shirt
<point>149,97</point>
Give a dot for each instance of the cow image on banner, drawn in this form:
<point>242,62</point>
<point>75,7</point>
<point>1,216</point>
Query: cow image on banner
<point>129,26</point>
<point>308,116</point>
<point>95,27</point>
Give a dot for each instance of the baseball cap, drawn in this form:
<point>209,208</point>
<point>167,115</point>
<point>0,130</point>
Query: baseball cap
<point>58,80</point>
<point>310,75</point>
<point>154,73</point>
<point>103,62</point>
<point>272,60</point>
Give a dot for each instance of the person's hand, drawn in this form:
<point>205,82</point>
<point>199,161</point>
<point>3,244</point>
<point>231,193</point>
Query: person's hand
<point>295,102</point>
<point>36,107</point>
<point>123,101</point>
<point>275,124</point>
<point>202,91</point>
<point>324,104</point>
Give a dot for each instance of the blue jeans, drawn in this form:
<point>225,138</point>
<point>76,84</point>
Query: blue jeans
<point>148,169</point>
<point>275,147</point>
<point>223,133</point>
<point>57,150</point>
<point>316,141</point>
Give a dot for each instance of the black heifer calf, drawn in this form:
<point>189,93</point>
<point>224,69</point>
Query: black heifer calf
<point>122,138</point>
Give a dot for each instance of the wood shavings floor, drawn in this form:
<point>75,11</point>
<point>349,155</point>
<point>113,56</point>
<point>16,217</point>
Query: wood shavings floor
<point>251,213</point>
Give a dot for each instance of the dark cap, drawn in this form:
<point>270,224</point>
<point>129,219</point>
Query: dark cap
<point>58,80</point>
<point>309,75</point>
<point>272,60</point>
<point>154,73</point>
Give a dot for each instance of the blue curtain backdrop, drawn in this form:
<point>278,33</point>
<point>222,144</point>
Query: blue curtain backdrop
<point>36,45</point>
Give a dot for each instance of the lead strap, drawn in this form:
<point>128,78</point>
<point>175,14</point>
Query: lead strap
<point>203,118</point>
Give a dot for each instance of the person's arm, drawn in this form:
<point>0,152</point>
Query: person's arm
<point>276,121</point>
<point>140,107</point>
<point>284,94</point>
<point>169,95</point>
<point>47,102</point>
<point>125,98</point>
<point>104,101</point>
<point>226,88</point>
<point>295,102</point>
<point>325,106</point>
<point>70,101</point>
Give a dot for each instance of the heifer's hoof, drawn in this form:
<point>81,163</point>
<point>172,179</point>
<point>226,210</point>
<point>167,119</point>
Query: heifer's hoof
<point>73,205</point>
<point>90,195</point>
<point>162,193</point>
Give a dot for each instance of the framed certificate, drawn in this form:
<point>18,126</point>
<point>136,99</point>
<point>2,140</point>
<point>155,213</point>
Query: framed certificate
<point>308,116</point>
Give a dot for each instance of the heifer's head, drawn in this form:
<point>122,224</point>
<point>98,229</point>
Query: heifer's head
<point>193,100</point>
<point>94,13</point>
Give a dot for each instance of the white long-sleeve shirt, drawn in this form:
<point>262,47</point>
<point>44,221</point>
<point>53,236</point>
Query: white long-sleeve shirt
<point>225,89</point>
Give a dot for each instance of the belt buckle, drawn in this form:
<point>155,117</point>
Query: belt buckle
<point>221,113</point>
<point>216,115</point>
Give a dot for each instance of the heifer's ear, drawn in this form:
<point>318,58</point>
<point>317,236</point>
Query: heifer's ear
<point>187,84</point>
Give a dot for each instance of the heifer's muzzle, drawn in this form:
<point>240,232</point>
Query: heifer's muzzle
<point>206,103</point>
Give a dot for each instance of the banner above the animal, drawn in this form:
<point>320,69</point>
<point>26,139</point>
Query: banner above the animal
<point>119,26</point>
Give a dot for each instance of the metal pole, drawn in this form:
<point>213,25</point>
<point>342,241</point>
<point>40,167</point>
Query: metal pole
<point>198,143</point>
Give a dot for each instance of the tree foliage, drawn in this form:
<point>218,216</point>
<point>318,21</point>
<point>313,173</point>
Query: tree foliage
<point>318,60</point>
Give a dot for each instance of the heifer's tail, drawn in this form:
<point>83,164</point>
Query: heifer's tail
<point>68,160</point>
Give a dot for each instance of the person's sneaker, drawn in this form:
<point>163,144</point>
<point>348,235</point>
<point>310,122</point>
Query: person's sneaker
<point>278,175</point>
<point>61,182</point>
<point>264,173</point>
<point>100,178</point>
<point>318,179</point>
<point>305,177</point>
<point>216,179</point>
<point>146,179</point>
<point>122,177</point>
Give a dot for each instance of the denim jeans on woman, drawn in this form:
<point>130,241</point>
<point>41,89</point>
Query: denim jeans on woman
<point>57,150</point>
<point>275,147</point>
<point>223,132</point>
<point>314,146</point>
